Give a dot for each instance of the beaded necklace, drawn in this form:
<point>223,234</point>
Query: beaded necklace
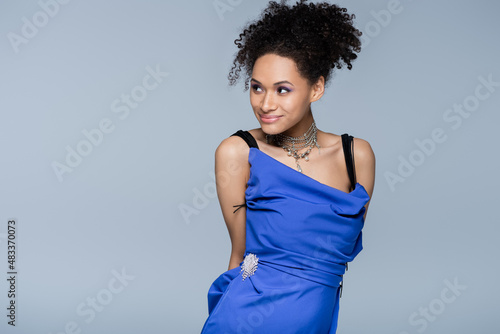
<point>293,144</point>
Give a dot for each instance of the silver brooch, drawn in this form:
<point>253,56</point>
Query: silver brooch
<point>249,265</point>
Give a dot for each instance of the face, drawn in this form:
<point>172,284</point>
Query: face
<point>280,97</point>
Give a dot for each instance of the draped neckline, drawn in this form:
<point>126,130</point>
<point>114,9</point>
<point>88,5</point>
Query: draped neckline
<point>357,187</point>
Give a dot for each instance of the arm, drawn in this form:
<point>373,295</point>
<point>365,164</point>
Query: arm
<point>231,176</point>
<point>364,161</point>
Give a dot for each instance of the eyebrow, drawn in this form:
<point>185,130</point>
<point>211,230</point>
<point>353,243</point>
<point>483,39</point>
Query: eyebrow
<point>276,83</point>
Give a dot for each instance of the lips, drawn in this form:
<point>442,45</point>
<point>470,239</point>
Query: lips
<point>270,118</point>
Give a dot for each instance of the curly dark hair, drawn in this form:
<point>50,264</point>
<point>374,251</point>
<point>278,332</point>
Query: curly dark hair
<point>316,36</point>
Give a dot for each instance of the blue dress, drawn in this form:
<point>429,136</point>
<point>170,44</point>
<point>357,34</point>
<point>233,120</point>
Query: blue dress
<point>300,234</point>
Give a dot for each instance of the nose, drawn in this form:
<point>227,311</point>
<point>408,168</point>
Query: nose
<point>268,102</point>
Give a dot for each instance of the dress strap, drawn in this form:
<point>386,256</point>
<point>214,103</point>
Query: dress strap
<point>348,146</point>
<point>250,140</point>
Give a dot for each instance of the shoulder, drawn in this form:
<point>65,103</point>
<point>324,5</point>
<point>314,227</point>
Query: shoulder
<point>232,148</point>
<point>364,160</point>
<point>363,152</point>
<point>364,157</point>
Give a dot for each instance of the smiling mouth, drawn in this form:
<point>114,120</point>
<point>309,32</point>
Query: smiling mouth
<point>270,116</point>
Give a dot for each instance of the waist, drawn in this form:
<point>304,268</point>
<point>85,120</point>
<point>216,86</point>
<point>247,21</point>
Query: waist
<point>316,270</point>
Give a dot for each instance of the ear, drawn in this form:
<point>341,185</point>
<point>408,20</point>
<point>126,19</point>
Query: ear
<point>317,89</point>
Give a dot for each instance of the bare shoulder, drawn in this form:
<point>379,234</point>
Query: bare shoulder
<point>363,151</point>
<point>364,160</point>
<point>231,153</point>
<point>232,146</point>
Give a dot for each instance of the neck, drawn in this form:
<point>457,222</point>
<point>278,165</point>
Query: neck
<point>300,128</point>
<point>293,144</point>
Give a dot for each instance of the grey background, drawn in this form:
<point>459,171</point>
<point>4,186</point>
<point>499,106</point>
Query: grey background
<point>120,208</point>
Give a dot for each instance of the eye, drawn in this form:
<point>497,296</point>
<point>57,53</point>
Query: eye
<point>255,87</point>
<point>284,88</point>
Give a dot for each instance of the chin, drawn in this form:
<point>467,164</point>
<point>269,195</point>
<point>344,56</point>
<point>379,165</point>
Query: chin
<point>270,129</point>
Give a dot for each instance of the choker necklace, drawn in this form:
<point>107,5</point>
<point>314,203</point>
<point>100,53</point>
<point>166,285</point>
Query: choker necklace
<point>308,139</point>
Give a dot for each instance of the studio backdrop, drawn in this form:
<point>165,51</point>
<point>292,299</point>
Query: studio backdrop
<point>111,112</point>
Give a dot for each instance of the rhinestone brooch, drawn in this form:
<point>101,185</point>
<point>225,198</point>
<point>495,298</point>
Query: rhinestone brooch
<point>249,265</point>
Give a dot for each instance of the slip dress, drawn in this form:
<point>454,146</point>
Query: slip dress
<point>300,235</point>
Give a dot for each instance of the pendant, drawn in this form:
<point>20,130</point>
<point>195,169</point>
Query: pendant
<point>298,168</point>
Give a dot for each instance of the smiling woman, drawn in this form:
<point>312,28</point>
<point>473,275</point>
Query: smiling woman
<point>306,191</point>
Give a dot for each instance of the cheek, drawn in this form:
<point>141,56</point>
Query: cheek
<point>254,101</point>
<point>255,108</point>
<point>292,105</point>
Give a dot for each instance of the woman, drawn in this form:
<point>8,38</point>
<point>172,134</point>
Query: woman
<point>304,192</point>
